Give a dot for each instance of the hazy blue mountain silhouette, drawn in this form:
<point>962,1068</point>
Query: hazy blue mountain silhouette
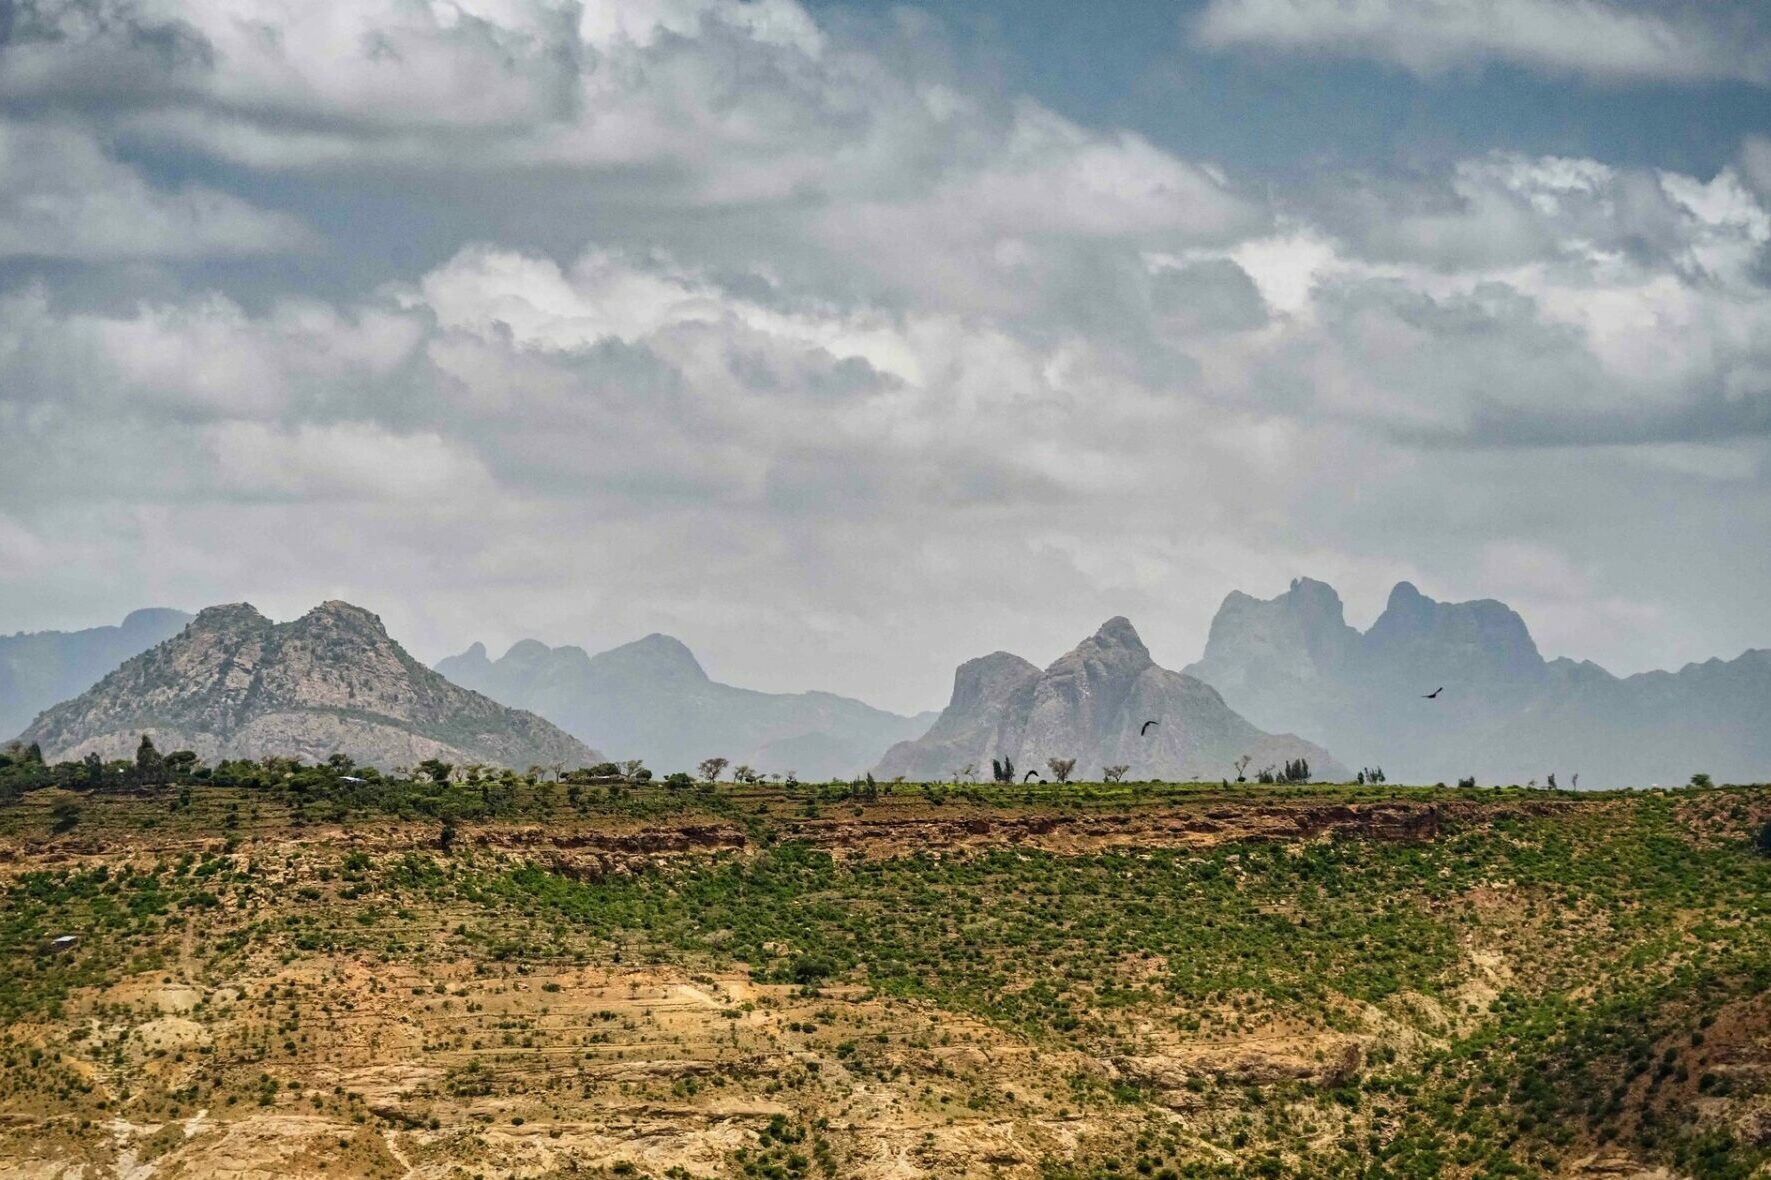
<point>1507,714</point>
<point>39,669</point>
<point>650,699</point>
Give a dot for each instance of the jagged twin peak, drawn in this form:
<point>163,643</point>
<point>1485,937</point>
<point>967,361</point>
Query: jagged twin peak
<point>234,684</point>
<point>1506,714</point>
<point>1091,705</point>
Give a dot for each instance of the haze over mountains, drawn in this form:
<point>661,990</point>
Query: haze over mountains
<point>650,699</point>
<point>1506,715</point>
<point>1091,705</point>
<point>43,668</point>
<point>233,684</point>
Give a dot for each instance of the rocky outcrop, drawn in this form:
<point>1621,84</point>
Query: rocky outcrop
<point>651,699</point>
<point>1506,715</point>
<point>38,669</point>
<point>235,685</point>
<point>1091,705</point>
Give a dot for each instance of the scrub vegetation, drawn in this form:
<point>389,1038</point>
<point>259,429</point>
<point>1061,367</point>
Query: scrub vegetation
<point>465,972</point>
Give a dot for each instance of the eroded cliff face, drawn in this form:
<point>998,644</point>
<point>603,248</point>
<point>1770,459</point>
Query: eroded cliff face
<point>236,685</point>
<point>1091,705</point>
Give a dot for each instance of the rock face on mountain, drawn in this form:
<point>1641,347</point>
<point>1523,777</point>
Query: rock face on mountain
<point>1090,705</point>
<point>235,685</point>
<point>650,699</point>
<point>40,668</point>
<point>1507,714</point>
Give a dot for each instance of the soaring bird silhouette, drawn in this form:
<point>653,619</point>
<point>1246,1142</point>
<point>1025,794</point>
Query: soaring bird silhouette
<point>1032,774</point>
<point>1434,695</point>
<point>1146,727</point>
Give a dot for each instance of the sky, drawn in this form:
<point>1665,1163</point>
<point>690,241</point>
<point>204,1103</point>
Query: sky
<point>846,341</point>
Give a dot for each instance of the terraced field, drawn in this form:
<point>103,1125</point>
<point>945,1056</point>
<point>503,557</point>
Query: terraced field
<point>1092,981</point>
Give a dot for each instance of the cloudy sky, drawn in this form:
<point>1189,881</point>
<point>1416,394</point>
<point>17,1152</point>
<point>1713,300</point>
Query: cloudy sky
<point>846,342</point>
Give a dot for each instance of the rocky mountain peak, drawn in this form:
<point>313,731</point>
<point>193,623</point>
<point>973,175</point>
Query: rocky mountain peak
<point>1116,635</point>
<point>526,653</point>
<point>234,684</point>
<point>1507,715</point>
<point>659,656</point>
<point>1480,639</point>
<point>1091,704</point>
<point>1405,597</point>
<point>1315,602</point>
<point>988,678</point>
<point>342,617</point>
<point>233,616</point>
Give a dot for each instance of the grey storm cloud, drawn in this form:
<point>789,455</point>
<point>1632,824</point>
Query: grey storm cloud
<point>730,321</point>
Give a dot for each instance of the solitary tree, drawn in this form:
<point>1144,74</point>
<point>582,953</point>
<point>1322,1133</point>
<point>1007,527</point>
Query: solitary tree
<point>150,768</point>
<point>1002,769</point>
<point>743,774</point>
<point>1241,765</point>
<point>712,768</point>
<point>632,767</point>
<point>970,771</point>
<point>1060,768</point>
<point>1113,774</point>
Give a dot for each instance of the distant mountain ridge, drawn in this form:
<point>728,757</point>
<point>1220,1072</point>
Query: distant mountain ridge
<point>651,699</point>
<point>39,669</point>
<point>1507,714</point>
<point>1091,705</point>
<point>233,684</point>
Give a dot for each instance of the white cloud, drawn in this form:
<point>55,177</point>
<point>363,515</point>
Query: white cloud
<point>314,464</point>
<point>1610,40</point>
<point>61,197</point>
<point>856,368</point>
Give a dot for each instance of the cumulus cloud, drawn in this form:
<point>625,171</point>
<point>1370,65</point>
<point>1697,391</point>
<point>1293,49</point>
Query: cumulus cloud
<point>1608,40</point>
<point>721,320</point>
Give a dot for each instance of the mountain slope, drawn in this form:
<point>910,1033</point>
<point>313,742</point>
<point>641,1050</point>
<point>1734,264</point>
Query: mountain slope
<point>1091,705</point>
<point>235,685</point>
<point>651,699</point>
<point>40,668</point>
<point>1507,714</point>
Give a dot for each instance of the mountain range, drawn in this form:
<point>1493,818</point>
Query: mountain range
<point>651,699</point>
<point>1091,705</point>
<point>1506,713</point>
<point>233,684</point>
<point>42,668</point>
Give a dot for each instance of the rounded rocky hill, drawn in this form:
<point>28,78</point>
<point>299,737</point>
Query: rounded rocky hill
<point>234,684</point>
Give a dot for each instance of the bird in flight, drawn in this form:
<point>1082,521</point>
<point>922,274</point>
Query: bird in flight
<point>1146,727</point>
<point>1032,774</point>
<point>1428,696</point>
